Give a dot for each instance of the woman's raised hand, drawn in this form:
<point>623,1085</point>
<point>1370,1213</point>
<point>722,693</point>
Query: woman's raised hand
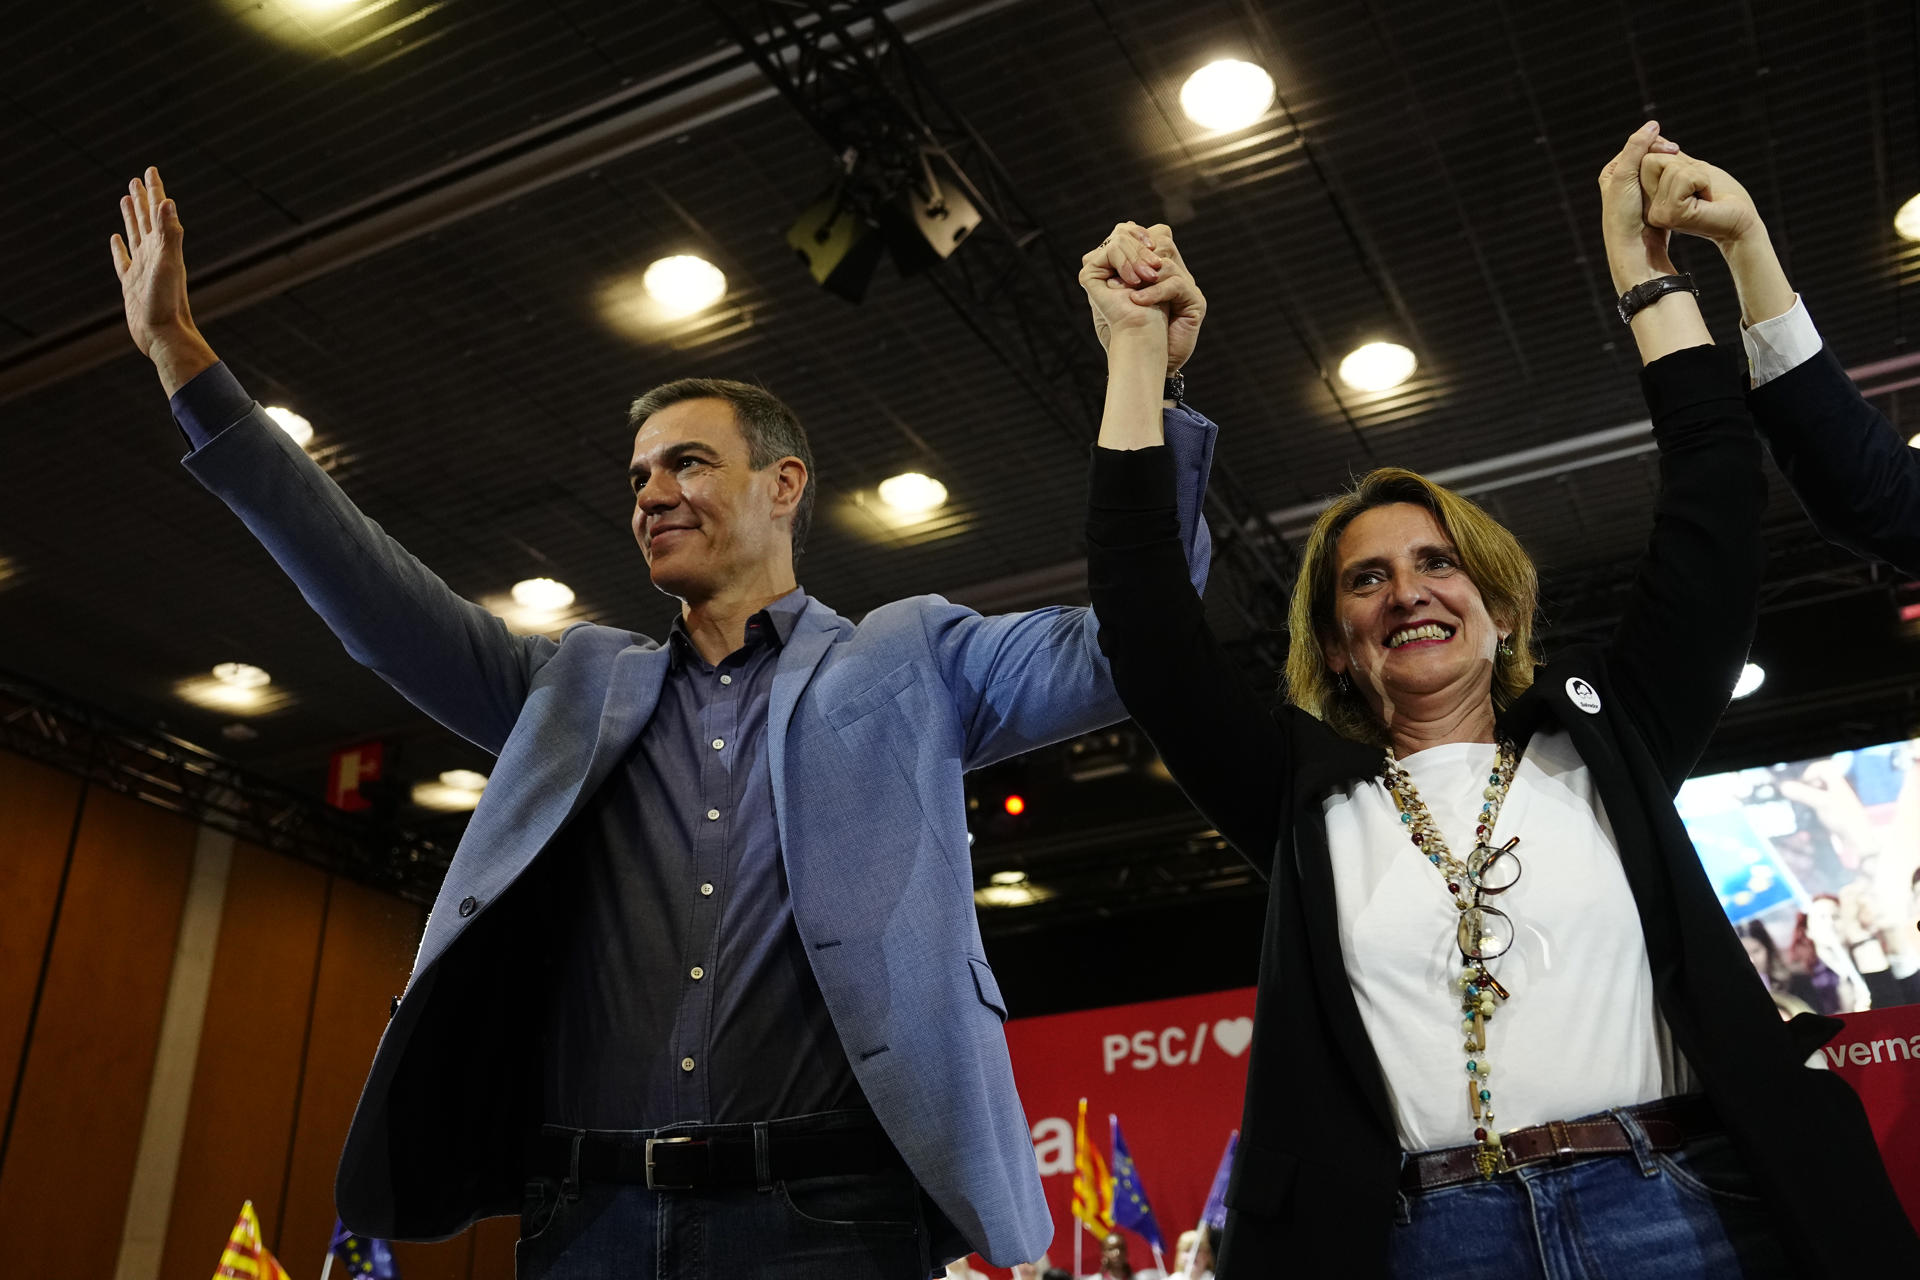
<point>153,283</point>
<point>1137,282</point>
<point>1635,250</point>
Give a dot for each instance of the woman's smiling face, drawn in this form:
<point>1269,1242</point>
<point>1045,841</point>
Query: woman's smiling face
<point>1408,623</point>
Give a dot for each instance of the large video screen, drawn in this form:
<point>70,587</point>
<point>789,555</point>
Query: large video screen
<point>1818,866</point>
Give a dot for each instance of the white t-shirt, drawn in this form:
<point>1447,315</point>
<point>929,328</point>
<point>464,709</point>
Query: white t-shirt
<point>1582,1032</point>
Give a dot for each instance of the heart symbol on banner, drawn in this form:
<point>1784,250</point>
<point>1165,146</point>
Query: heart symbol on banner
<point>1233,1034</point>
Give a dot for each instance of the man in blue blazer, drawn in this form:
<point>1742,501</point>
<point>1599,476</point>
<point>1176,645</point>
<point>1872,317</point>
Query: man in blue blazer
<point>703,992</point>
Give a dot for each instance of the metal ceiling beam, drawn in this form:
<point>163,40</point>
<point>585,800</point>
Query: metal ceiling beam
<point>667,105</point>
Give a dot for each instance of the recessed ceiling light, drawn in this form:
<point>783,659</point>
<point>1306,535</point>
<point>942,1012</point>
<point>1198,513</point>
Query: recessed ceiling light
<point>292,423</point>
<point>237,732</point>
<point>1752,676</point>
<point>241,675</point>
<point>1377,366</point>
<point>912,492</point>
<point>1009,877</point>
<point>1913,442</point>
<point>1226,94</point>
<point>464,780</point>
<point>684,284</point>
<point>1907,220</point>
<point>442,798</point>
<point>542,595</point>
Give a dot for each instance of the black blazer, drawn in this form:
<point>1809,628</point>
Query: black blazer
<point>1852,471</point>
<point>1316,1174</point>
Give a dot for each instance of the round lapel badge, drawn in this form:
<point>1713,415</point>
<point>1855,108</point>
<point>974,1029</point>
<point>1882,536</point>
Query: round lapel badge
<point>1583,696</point>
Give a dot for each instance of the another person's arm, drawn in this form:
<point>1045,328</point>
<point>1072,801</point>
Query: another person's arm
<point>1212,729</point>
<point>1689,618</point>
<point>1851,469</point>
<point>451,658</point>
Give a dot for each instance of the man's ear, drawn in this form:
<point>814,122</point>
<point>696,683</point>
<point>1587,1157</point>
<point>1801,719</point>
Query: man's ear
<point>790,481</point>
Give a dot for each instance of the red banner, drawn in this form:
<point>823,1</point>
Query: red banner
<point>1174,1072</point>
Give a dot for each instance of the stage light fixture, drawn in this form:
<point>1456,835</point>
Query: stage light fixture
<point>912,493</point>
<point>1377,366</point>
<point>292,423</point>
<point>1226,94</point>
<point>841,237</point>
<point>684,284</point>
<point>1752,676</point>
<point>241,675</point>
<point>1015,805</point>
<point>1907,220</point>
<point>542,595</point>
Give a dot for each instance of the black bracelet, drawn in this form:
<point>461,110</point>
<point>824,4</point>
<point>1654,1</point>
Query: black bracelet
<point>1176,389</point>
<point>1647,292</point>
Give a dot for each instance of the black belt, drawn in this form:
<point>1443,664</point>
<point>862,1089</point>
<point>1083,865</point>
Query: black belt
<point>713,1157</point>
<point>1669,1124</point>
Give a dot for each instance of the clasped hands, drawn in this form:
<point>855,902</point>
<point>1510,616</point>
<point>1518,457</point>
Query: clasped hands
<point>1142,294</point>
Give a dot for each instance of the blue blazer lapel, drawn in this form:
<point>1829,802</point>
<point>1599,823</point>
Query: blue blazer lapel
<point>800,657</point>
<point>633,691</point>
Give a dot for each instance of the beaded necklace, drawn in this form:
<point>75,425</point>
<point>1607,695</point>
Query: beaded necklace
<point>1480,992</point>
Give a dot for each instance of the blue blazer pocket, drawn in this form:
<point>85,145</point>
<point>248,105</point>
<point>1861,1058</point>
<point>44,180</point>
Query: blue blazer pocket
<point>845,711</point>
<point>988,987</point>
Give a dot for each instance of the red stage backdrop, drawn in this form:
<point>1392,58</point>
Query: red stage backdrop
<point>1174,1072</point>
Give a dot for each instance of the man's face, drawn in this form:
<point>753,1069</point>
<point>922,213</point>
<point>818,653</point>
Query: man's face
<point>702,516</point>
<point>1113,1252</point>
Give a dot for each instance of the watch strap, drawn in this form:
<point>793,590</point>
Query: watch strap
<point>1176,388</point>
<point>1644,294</point>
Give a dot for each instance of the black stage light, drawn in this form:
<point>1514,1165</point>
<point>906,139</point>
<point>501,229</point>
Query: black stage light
<point>837,243</point>
<point>841,236</point>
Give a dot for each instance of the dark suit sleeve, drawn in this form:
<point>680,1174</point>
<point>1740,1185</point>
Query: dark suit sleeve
<point>1212,730</point>
<point>1857,478</point>
<point>1689,618</point>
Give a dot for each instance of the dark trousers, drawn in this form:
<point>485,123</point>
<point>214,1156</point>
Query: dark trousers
<point>846,1227</point>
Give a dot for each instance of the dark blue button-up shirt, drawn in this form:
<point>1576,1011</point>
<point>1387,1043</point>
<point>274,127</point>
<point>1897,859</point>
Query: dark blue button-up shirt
<point>678,988</point>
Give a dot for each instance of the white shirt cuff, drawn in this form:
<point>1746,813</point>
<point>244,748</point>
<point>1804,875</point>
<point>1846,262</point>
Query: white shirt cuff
<point>1780,345</point>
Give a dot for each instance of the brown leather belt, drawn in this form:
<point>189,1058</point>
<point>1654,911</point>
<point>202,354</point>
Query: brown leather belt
<point>1669,1124</point>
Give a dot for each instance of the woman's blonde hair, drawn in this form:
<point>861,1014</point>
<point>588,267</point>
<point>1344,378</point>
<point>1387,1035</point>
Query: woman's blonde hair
<point>1491,556</point>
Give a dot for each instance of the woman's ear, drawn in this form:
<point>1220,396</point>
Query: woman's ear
<point>1334,654</point>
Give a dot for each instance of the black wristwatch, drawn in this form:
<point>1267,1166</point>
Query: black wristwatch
<point>1642,295</point>
<point>1176,389</point>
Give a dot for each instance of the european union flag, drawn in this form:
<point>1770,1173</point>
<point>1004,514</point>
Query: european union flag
<point>1130,1207</point>
<point>1215,1214</point>
<point>365,1259</point>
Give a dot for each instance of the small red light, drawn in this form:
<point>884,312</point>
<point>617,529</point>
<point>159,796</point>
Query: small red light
<point>1016,805</point>
<point>1910,612</point>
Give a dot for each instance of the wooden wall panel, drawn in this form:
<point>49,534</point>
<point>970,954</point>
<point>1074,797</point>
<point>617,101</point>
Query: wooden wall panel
<point>37,807</point>
<point>366,952</point>
<point>240,1118</point>
<point>493,1248</point>
<point>63,1191</point>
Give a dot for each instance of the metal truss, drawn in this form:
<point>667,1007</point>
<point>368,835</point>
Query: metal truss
<point>161,770</point>
<point>854,79</point>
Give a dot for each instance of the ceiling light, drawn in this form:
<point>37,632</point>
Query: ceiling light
<point>464,780</point>
<point>1377,366</point>
<point>1913,442</point>
<point>1014,805</point>
<point>684,284</point>
<point>542,595</point>
<point>1752,676</point>
<point>1009,877</point>
<point>237,732</point>
<point>912,492</point>
<point>1226,94</point>
<point>241,675</point>
<point>442,798</point>
<point>292,423</point>
<point>1907,221</point>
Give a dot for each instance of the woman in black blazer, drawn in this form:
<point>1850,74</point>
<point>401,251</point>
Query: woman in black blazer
<point>1412,943</point>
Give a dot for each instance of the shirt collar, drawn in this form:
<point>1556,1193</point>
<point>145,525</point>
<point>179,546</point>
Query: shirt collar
<point>771,625</point>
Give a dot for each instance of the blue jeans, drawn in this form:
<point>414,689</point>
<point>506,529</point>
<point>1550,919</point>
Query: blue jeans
<point>845,1227</point>
<point>1687,1213</point>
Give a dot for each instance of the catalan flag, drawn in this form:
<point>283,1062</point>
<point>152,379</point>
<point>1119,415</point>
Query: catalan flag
<point>246,1258</point>
<point>1092,1185</point>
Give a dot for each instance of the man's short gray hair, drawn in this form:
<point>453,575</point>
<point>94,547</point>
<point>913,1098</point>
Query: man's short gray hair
<point>771,429</point>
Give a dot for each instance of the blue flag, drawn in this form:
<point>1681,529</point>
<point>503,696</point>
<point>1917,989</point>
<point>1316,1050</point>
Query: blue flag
<point>365,1259</point>
<point>1130,1207</point>
<point>1215,1214</point>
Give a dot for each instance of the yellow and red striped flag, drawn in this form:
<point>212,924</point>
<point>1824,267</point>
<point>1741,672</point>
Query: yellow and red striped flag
<point>1092,1184</point>
<point>246,1258</point>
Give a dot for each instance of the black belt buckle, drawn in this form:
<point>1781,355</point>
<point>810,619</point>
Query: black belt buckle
<point>652,1183</point>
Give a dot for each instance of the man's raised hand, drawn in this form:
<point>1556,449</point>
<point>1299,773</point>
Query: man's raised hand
<point>153,283</point>
<point>1689,195</point>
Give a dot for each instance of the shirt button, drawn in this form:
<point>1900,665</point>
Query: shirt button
<point>726,679</point>
<point>697,973</point>
<point>686,1064</point>
<point>719,743</point>
<point>706,891</point>
<point>713,815</point>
